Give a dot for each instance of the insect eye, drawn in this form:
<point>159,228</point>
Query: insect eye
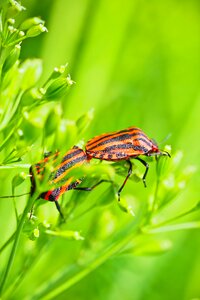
<point>154,149</point>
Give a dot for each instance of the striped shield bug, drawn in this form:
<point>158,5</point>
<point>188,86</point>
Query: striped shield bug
<point>123,145</point>
<point>73,158</point>
<point>59,180</point>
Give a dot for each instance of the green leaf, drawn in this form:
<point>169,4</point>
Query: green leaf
<point>173,227</point>
<point>30,70</point>
<point>11,59</point>
<point>124,206</point>
<point>52,122</point>
<point>149,246</point>
<point>18,179</point>
<point>84,121</point>
<point>107,197</point>
<point>66,134</point>
<point>28,132</point>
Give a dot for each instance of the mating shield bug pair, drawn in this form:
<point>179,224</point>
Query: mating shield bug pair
<point>116,146</point>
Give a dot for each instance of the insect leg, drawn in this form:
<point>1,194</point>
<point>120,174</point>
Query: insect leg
<point>31,212</point>
<point>146,171</point>
<point>128,175</point>
<point>88,189</point>
<point>59,209</point>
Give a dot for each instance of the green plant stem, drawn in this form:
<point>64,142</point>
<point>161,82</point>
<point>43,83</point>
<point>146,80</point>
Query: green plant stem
<point>156,190</point>
<point>90,266</point>
<point>7,138</point>
<point>15,42</point>
<point>155,195</point>
<point>1,64</point>
<point>166,222</point>
<point>11,238</point>
<point>14,166</point>
<point>16,239</point>
<point>9,113</point>
<point>174,227</point>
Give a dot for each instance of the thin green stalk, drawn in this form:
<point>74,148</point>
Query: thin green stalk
<point>12,131</point>
<point>14,166</point>
<point>15,209</point>
<point>11,111</point>
<point>11,238</point>
<point>156,189</point>
<point>174,218</point>
<point>7,138</point>
<point>16,240</point>
<point>15,42</point>
<point>175,227</point>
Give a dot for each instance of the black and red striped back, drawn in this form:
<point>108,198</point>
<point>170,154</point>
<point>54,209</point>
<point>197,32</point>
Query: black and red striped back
<point>121,145</point>
<point>61,167</point>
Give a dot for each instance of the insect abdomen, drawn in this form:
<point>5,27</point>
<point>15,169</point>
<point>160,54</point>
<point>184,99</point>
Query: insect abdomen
<point>72,159</point>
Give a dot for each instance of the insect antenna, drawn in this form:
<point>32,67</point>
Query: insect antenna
<point>13,196</point>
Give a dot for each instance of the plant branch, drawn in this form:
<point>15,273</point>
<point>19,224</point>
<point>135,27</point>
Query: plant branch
<point>16,240</point>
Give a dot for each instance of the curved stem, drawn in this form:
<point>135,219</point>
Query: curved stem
<point>11,238</point>
<point>16,239</point>
<point>155,198</point>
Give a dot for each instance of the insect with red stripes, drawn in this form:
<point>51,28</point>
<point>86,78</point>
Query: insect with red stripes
<point>123,145</point>
<point>59,180</point>
<point>73,158</point>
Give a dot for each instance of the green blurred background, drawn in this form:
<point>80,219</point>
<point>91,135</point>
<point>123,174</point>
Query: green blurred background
<point>136,63</point>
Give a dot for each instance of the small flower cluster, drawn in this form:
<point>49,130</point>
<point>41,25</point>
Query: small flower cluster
<point>20,93</point>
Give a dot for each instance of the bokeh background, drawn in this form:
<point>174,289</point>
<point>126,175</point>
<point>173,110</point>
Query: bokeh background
<point>136,63</point>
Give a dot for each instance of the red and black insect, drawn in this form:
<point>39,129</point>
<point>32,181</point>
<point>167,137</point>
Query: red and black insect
<point>123,145</point>
<point>120,145</point>
<point>73,158</point>
<point>59,176</point>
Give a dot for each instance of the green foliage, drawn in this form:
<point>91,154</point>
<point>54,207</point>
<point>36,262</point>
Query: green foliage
<point>124,78</point>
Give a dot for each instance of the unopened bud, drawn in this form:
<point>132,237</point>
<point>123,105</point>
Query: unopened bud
<point>36,233</point>
<point>12,29</point>
<point>11,21</point>
<point>124,206</point>
<point>21,33</point>
<point>36,30</point>
<point>29,23</point>
<point>58,88</point>
<point>57,72</point>
<point>16,5</point>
